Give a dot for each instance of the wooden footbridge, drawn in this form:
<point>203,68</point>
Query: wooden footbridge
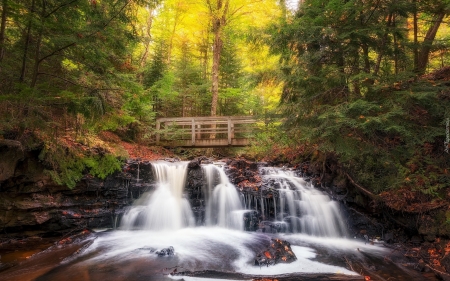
<point>205,131</point>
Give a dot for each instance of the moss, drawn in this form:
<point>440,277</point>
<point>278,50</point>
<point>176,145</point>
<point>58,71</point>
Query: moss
<point>68,166</point>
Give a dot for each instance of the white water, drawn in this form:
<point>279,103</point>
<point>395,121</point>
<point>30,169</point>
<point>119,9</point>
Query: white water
<point>165,208</point>
<point>306,209</point>
<point>221,246</point>
<point>223,207</point>
<point>214,248</point>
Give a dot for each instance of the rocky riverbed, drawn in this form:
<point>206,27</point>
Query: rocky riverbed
<point>33,207</point>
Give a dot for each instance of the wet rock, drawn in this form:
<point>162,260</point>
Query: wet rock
<point>194,164</point>
<point>251,220</point>
<point>32,204</point>
<point>12,152</point>
<point>389,237</point>
<point>279,251</point>
<point>243,174</point>
<point>166,252</point>
<point>273,227</point>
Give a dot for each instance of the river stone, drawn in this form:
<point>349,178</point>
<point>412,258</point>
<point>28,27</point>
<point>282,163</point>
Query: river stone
<point>279,251</point>
<point>166,252</point>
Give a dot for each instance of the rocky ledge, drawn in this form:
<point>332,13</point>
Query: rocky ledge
<point>33,204</point>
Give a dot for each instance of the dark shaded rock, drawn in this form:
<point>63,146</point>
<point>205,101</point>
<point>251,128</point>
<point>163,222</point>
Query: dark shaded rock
<point>32,204</point>
<point>12,152</point>
<point>251,220</point>
<point>166,252</point>
<point>194,164</point>
<point>279,251</point>
<point>243,174</point>
<point>389,237</point>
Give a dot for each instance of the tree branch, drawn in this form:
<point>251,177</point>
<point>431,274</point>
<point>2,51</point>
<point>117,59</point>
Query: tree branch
<point>57,51</point>
<point>79,85</point>
<point>59,7</point>
<point>74,43</point>
<point>365,191</point>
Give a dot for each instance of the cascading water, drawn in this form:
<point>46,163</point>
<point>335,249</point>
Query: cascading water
<point>297,206</point>
<point>304,208</point>
<point>292,202</point>
<point>164,208</point>
<point>223,207</point>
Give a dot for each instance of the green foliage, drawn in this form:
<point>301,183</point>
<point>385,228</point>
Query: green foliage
<point>102,166</point>
<point>67,67</point>
<point>272,143</point>
<point>351,91</point>
<point>67,167</point>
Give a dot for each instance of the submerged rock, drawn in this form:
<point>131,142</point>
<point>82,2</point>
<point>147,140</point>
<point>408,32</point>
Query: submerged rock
<point>170,251</point>
<point>279,251</point>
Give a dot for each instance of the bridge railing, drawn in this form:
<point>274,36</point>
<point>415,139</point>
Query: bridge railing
<point>205,131</point>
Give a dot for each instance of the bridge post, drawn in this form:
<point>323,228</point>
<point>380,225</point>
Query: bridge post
<point>230,130</point>
<point>198,134</point>
<point>193,131</point>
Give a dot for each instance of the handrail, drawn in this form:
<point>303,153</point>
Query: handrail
<point>205,131</point>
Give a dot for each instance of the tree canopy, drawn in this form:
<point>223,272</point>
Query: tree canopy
<point>354,88</point>
<point>354,79</point>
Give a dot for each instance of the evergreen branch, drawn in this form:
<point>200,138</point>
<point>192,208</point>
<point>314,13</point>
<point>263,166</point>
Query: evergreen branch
<point>74,43</point>
<point>56,51</point>
<point>79,85</point>
<point>372,12</point>
<point>112,18</point>
<point>59,7</point>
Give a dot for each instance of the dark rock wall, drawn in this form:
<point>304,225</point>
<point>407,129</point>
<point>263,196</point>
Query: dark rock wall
<point>32,204</point>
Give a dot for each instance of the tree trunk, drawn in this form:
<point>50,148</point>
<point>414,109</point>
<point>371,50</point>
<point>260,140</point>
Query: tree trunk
<point>178,14</point>
<point>27,43</point>
<point>425,49</point>
<point>394,23</point>
<point>219,13</point>
<point>376,69</point>
<point>365,49</point>
<point>416,42</point>
<point>147,44</point>
<point>37,52</point>
<point>217,50</point>
<point>205,53</point>
<point>2,30</point>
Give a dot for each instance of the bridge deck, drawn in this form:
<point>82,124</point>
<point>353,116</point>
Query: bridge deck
<point>205,131</point>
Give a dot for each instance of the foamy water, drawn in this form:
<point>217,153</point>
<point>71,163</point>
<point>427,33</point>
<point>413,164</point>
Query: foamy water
<point>215,248</point>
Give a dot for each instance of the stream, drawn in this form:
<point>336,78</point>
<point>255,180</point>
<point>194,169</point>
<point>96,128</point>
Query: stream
<point>160,238</point>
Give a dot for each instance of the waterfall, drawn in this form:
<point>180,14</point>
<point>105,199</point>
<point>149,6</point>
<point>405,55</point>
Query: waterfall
<point>295,205</point>
<point>223,207</point>
<point>304,208</point>
<point>164,208</point>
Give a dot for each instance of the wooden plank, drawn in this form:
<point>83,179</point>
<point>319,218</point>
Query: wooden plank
<point>206,143</point>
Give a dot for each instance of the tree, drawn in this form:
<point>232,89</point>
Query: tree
<point>349,68</point>
<point>219,13</point>
<point>65,58</point>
